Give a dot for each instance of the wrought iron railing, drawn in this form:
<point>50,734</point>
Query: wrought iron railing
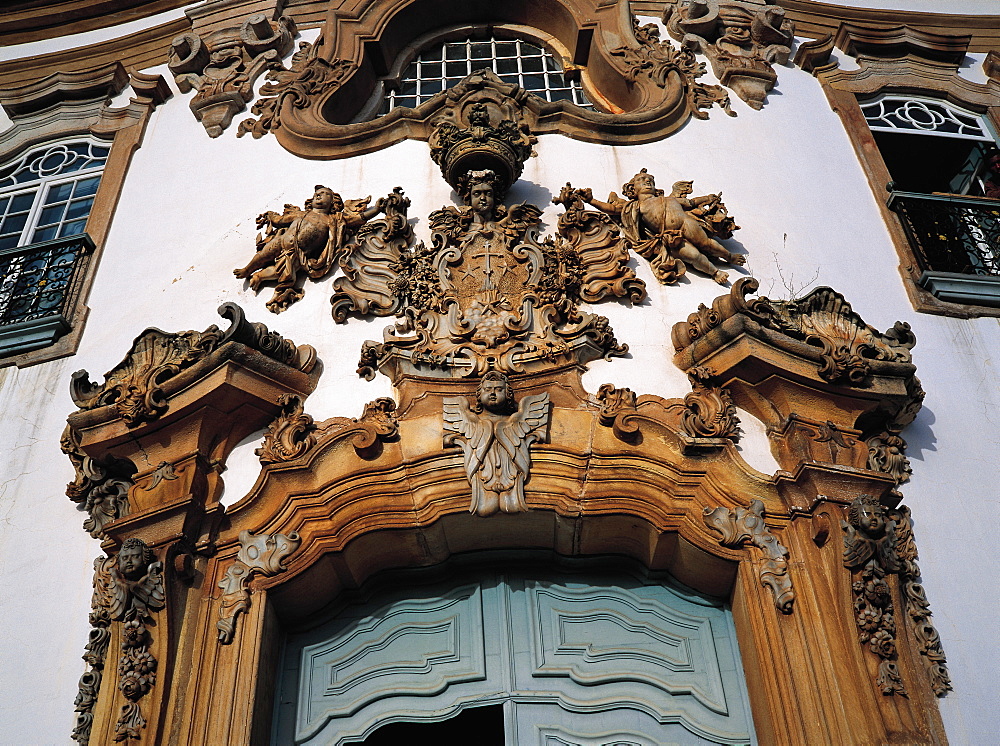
<point>43,279</point>
<point>950,233</point>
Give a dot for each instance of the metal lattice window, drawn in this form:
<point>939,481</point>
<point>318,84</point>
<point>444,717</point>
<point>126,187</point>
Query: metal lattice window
<point>513,60</point>
<point>46,196</point>
<point>923,117</point>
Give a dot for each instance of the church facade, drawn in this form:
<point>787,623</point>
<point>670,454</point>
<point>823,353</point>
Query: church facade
<point>572,372</point>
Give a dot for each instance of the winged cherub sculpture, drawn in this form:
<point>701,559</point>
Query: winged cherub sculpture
<point>309,240</point>
<point>495,434</point>
<point>672,230</point>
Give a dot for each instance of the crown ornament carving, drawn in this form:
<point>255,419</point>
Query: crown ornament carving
<point>481,133</point>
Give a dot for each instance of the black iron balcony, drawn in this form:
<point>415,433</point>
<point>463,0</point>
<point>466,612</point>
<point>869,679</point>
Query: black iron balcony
<point>956,241</point>
<point>39,287</point>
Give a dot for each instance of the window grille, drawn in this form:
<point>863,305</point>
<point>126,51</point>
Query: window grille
<point>513,60</point>
<point>923,116</point>
<point>46,196</point>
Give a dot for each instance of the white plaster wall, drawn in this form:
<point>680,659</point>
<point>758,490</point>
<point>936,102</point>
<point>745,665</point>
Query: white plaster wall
<point>186,219</point>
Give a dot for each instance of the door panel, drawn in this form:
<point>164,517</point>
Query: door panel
<point>612,661</point>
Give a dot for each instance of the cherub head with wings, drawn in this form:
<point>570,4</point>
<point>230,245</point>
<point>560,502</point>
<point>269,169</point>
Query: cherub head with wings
<point>471,179</point>
<point>495,394</point>
<point>134,559</point>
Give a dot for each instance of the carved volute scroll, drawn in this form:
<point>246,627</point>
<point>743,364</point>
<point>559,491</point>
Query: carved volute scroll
<point>138,386</point>
<point>495,434</point>
<point>264,554</point>
<point>223,66</point>
<point>742,40</point>
<point>736,527</point>
<point>618,410</point>
<point>307,241</point>
<point>709,411</point>
<point>100,489</point>
<point>664,64</point>
<point>878,542</point>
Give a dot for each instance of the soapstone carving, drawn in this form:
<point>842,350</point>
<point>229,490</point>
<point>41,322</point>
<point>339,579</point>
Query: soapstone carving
<point>309,240</point>
<point>495,435</point>
<point>673,231</point>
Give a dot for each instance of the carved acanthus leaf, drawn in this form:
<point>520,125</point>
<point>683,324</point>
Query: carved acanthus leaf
<point>736,527</point>
<point>309,76</point>
<point>291,434</point>
<point>264,554</point>
<point>662,63</point>
<point>100,488</point>
<point>709,411</point>
<point>740,39</point>
<point>602,254</point>
<point>223,66</point>
<point>128,588</point>
<point>618,410</point>
<point>376,423</point>
<point>137,387</point>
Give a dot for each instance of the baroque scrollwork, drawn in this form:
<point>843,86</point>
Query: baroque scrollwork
<point>742,40</point>
<point>100,488</point>
<point>223,66</point>
<point>291,434</point>
<point>310,241</point>
<point>264,554</point>
<point>878,542</point>
<point>822,318</point>
<point>309,76</point>
<point>377,423</point>
<point>672,231</point>
<point>736,527</point>
<point>618,411</point>
<point>128,588</point>
<point>665,65</point>
<point>709,411</point>
<point>495,435</point>
<point>138,386</point>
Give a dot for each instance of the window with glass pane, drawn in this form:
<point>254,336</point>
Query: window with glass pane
<point>46,196</point>
<point>513,60</point>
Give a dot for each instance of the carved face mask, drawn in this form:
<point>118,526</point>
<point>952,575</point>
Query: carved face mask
<point>493,394</point>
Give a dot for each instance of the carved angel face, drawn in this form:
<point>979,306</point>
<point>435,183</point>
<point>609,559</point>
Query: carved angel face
<point>494,395</point>
<point>481,199</point>
<point>130,563</point>
<point>326,200</point>
<point>643,183</point>
<point>869,518</point>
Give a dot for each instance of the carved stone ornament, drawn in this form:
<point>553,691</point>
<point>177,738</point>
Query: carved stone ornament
<point>672,231</point>
<point>487,294</point>
<point>100,488</point>
<point>495,434</point>
<point>741,39</point>
<point>263,554</point>
<point>736,527</point>
<point>709,411</point>
<point>822,318</point>
<point>664,64</point>
<point>128,588</point>
<point>878,542</point>
<point>138,386</point>
<point>618,411</point>
<point>223,66</point>
<point>309,241</point>
<point>294,433</point>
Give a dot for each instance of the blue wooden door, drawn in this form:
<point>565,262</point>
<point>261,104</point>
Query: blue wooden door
<point>575,659</point>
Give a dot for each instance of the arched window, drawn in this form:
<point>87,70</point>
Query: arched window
<point>442,65</point>
<point>46,196</point>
